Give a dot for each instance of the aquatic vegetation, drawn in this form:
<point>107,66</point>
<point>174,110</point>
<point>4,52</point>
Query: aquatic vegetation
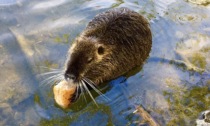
<point>199,2</point>
<point>63,39</point>
<point>194,50</point>
<point>198,60</point>
<point>185,104</point>
<point>103,111</point>
<point>119,2</point>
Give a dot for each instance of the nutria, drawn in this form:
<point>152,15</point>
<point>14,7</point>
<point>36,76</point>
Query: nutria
<point>113,43</point>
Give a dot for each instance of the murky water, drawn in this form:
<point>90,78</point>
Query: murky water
<point>173,85</point>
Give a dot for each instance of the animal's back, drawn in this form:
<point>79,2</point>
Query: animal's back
<point>120,26</point>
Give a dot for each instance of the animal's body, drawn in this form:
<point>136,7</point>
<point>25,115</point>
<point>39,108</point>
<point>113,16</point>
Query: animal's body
<point>113,43</point>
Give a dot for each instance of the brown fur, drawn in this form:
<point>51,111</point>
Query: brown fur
<point>113,43</point>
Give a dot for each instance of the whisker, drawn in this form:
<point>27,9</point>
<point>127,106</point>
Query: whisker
<point>60,76</point>
<point>51,82</point>
<point>94,88</point>
<point>47,79</point>
<point>89,93</point>
<point>90,83</point>
<point>48,73</point>
<point>80,84</point>
<point>49,68</point>
<point>56,79</point>
<point>89,80</point>
<point>52,77</point>
<point>77,91</point>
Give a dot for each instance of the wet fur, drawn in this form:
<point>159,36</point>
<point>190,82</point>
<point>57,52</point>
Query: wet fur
<point>125,39</point>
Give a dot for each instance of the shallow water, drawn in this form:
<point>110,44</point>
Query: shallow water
<point>173,85</point>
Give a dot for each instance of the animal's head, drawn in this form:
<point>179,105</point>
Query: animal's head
<point>88,61</point>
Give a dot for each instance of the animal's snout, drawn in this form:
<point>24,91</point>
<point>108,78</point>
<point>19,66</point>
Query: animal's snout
<point>69,76</point>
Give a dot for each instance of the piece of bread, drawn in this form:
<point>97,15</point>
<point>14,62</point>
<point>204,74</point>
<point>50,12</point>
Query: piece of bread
<point>63,92</point>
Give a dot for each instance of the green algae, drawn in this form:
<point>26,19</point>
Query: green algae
<point>185,104</point>
<point>119,2</point>
<point>198,60</point>
<point>62,39</point>
<point>194,51</point>
<point>90,111</point>
<point>199,2</point>
<point>205,49</point>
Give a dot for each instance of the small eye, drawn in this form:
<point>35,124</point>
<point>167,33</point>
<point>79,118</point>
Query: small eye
<point>90,59</point>
<point>100,50</point>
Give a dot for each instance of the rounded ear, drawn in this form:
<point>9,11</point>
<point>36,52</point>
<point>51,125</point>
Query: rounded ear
<point>101,49</point>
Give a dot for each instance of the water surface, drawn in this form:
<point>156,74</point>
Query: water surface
<point>173,85</point>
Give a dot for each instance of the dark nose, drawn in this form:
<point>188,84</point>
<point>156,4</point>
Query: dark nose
<point>70,76</point>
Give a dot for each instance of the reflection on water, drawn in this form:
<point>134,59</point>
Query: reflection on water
<point>194,49</point>
<point>173,85</point>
